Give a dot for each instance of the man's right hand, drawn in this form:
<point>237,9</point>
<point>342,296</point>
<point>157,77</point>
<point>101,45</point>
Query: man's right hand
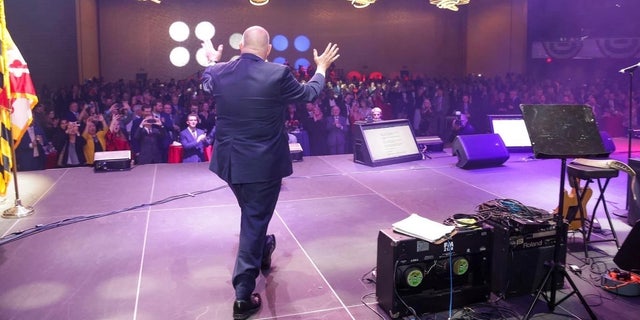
<point>324,61</point>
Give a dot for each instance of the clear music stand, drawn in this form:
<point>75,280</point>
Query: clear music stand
<point>561,132</point>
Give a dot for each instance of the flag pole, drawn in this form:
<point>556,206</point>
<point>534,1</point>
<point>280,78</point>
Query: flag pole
<point>18,210</point>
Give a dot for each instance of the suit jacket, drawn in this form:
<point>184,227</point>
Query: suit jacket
<point>192,151</point>
<point>150,145</point>
<point>251,95</point>
<point>169,122</point>
<point>336,136</point>
<point>25,160</point>
<point>167,126</point>
<point>332,129</point>
<point>135,144</point>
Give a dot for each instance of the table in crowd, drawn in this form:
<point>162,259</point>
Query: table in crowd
<point>302,137</point>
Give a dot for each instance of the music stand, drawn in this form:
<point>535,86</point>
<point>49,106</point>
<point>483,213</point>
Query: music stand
<point>561,132</point>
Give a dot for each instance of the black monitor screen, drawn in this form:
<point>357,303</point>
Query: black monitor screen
<point>512,130</point>
<point>385,142</point>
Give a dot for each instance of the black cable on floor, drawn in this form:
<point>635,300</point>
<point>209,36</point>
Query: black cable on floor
<point>44,227</point>
<point>368,276</point>
<point>372,294</point>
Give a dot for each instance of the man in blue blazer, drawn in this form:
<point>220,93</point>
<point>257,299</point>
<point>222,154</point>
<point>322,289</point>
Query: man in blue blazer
<point>193,141</point>
<point>251,144</point>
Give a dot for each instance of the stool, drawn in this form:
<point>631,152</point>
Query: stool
<point>588,173</point>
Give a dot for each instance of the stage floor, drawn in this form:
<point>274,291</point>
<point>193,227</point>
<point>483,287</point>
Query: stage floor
<point>170,253</point>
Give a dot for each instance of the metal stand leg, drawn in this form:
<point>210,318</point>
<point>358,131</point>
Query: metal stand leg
<point>581,210</point>
<point>586,231</point>
<point>614,238</point>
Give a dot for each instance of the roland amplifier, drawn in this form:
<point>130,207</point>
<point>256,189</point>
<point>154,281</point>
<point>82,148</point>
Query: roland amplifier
<point>112,161</point>
<point>520,257</point>
<point>416,273</point>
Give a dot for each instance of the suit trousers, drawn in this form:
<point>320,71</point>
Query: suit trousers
<point>257,202</point>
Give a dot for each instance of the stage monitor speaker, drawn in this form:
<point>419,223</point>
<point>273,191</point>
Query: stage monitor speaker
<point>628,257</point>
<point>384,142</point>
<point>479,150</point>
<point>634,211</point>
<point>430,144</point>
<point>416,273</point>
<point>112,161</point>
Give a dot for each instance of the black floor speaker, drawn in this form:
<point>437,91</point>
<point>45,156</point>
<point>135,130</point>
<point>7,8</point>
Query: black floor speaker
<point>520,259</point>
<point>628,257</point>
<point>479,150</point>
<point>416,273</point>
<point>634,209</point>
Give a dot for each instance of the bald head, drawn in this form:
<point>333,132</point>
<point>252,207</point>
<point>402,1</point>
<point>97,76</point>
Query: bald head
<point>256,40</point>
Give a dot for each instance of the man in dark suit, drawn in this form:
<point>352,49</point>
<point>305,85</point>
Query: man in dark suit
<point>193,140</point>
<point>150,136</point>
<point>251,144</point>
<point>337,128</point>
<point>136,124</point>
<point>30,153</point>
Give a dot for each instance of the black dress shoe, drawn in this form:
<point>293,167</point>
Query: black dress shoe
<point>269,247</point>
<point>243,309</point>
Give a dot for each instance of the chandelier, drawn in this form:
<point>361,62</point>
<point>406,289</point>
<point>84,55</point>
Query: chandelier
<point>361,3</point>
<point>448,4</point>
<point>258,2</point>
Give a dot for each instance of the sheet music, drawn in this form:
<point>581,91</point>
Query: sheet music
<point>422,228</point>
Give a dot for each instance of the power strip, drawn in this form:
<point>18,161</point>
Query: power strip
<point>627,288</point>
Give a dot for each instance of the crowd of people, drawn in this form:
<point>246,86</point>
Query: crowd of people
<point>147,117</point>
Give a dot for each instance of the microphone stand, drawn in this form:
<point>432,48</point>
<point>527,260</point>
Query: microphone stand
<point>629,70</point>
<point>630,115</point>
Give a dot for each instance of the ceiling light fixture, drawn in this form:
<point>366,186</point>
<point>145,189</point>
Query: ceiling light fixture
<point>449,4</point>
<point>361,3</point>
<point>258,2</point>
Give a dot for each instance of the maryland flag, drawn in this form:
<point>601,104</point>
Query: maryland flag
<point>17,99</point>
